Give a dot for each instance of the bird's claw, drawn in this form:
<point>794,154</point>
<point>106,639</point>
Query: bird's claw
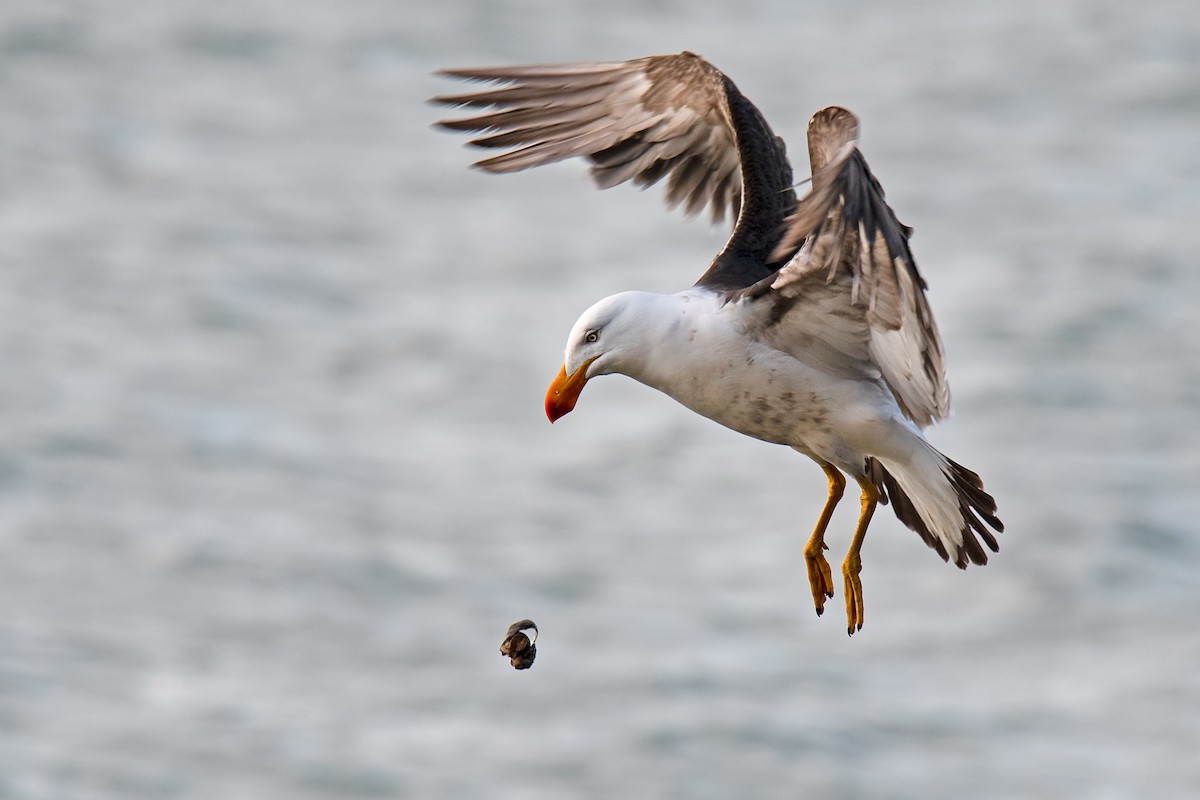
<point>854,594</point>
<point>820,578</point>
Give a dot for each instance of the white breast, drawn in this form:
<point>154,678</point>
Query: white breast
<point>704,359</point>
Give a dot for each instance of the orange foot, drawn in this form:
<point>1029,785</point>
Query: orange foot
<point>820,576</point>
<point>854,593</point>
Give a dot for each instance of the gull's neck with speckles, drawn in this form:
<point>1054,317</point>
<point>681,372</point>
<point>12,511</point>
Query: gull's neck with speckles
<point>667,340</point>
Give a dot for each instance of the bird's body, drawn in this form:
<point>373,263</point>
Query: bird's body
<point>809,329</point>
<point>692,346</point>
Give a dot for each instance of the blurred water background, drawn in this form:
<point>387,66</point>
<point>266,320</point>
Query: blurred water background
<point>275,477</point>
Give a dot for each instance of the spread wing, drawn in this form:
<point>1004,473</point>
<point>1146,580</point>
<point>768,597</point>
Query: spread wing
<point>851,294</point>
<point>672,117</point>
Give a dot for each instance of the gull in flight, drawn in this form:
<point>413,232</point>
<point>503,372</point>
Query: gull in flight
<point>810,328</point>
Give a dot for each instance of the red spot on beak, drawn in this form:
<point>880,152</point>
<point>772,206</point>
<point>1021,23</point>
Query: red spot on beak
<point>564,390</point>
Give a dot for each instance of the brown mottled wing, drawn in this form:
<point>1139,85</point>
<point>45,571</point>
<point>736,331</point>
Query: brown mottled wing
<point>850,245</point>
<point>642,120</point>
<point>672,117</point>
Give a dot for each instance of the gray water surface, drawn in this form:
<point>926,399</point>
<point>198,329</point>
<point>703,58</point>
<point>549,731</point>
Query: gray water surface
<point>275,476</point>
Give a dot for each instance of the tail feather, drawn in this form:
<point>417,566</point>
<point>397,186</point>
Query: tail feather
<point>921,499</point>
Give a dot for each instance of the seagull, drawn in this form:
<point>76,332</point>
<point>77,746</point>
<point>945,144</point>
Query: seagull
<point>809,329</point>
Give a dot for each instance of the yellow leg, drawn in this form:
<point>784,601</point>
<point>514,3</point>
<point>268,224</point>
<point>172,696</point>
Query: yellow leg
<point>853,563</point>
<point>820,577</point>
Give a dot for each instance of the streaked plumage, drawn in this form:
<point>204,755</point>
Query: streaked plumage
<point>810,328</point>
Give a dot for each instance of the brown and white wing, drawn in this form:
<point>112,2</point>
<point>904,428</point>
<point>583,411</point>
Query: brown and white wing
<point>642,120</point>
<point>853,262</point>
<point>673,117</point>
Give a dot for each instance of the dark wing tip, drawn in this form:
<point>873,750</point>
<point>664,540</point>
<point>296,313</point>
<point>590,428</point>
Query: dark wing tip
<point>480,73</point>
<point>470,74</point>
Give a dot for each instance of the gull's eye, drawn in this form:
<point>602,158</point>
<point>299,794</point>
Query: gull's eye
<point>591,336</point>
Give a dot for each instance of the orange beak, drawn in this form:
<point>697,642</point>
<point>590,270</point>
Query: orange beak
<point>564,390</point>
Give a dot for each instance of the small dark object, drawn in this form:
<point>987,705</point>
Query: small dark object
<point>520,649</point>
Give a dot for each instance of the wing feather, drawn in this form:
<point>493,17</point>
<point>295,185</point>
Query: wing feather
<point>642,120</point>
<point>848,242</point>
<point>673,118</point>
